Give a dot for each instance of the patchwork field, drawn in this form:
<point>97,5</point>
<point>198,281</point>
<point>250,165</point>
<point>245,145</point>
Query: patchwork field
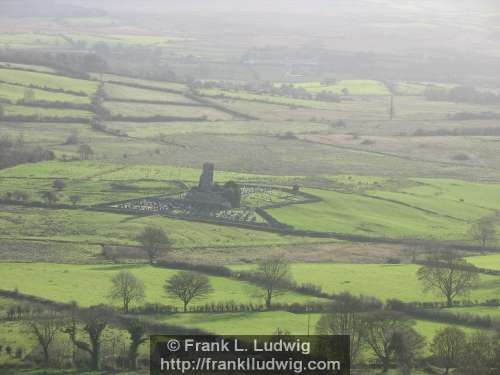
<point>387,164</point>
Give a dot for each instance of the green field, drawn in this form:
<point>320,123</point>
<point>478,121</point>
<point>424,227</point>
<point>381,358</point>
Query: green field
<point>353,87</point>
<point>14,93</point>
<point>491,262</point>
<point>147,110</point>
<point>267,323</point>
<point>418,88</point>
<point>176,86</point>
<point>109,228</point>
<point>384,281</point>
<point>90,284</point>
<point>370,206</point>
<point>122,92</point>
<point>48,80</point>
<point>20,110</point>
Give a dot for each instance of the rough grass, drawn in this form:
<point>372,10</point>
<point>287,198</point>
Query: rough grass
<point>109,228</point>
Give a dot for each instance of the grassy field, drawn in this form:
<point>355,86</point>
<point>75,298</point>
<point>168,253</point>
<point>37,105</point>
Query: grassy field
<point>14,93</point>
<point>146,110</point>
<point>144,82</point>
<point>48,80</point>
<point>90,284</point>
<point>372,206</point>
<point>30,40</point>
<point>153,129</point>
<point>493,312</point>
<point>418,88</point>
<point>384,281</point>
<point>486,261</point>
<point>107,228</point>
<point>431,207</point>
<point>20,110</point>
<point>126,93</point>
<point>353,87</point>
<point>351,213</point>
<point>267,323</point>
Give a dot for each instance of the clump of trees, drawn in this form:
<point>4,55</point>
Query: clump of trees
<point>14,152</point>
<point>461,94</point>
<point>388,335</point>
<point>484,231</point>
<point>155,242</point>
<point>232,192</point>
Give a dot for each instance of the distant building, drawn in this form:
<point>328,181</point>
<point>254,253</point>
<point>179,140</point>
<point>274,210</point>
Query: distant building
<point>207,194</point>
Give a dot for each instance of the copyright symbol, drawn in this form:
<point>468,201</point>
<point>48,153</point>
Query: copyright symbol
<point>173,345</point>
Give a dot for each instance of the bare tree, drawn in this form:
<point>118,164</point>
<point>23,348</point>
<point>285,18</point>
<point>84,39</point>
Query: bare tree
<point>45,327</point>
<point>448,347</point>
<point>188,286</point>
<point>483,231</point>
<point>448,276</point>
<point>127,288</point>
<point>273,276</point>
<point>154,241</point>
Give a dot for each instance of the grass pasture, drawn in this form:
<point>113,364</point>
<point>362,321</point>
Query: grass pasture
<point>353,87</point>
<point>114,91</point>
<point>92,227</point>
<point>22,110</point>
<point>14,93</point>
<point>371,206</point>
<point>357,214</point>
<point>175,86</point>
<point>90,284</point>
<point>148,110</point>
<point>51,81</point>
<point>491,261</point>
<point>384,281</point>
<point>267,323</point>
